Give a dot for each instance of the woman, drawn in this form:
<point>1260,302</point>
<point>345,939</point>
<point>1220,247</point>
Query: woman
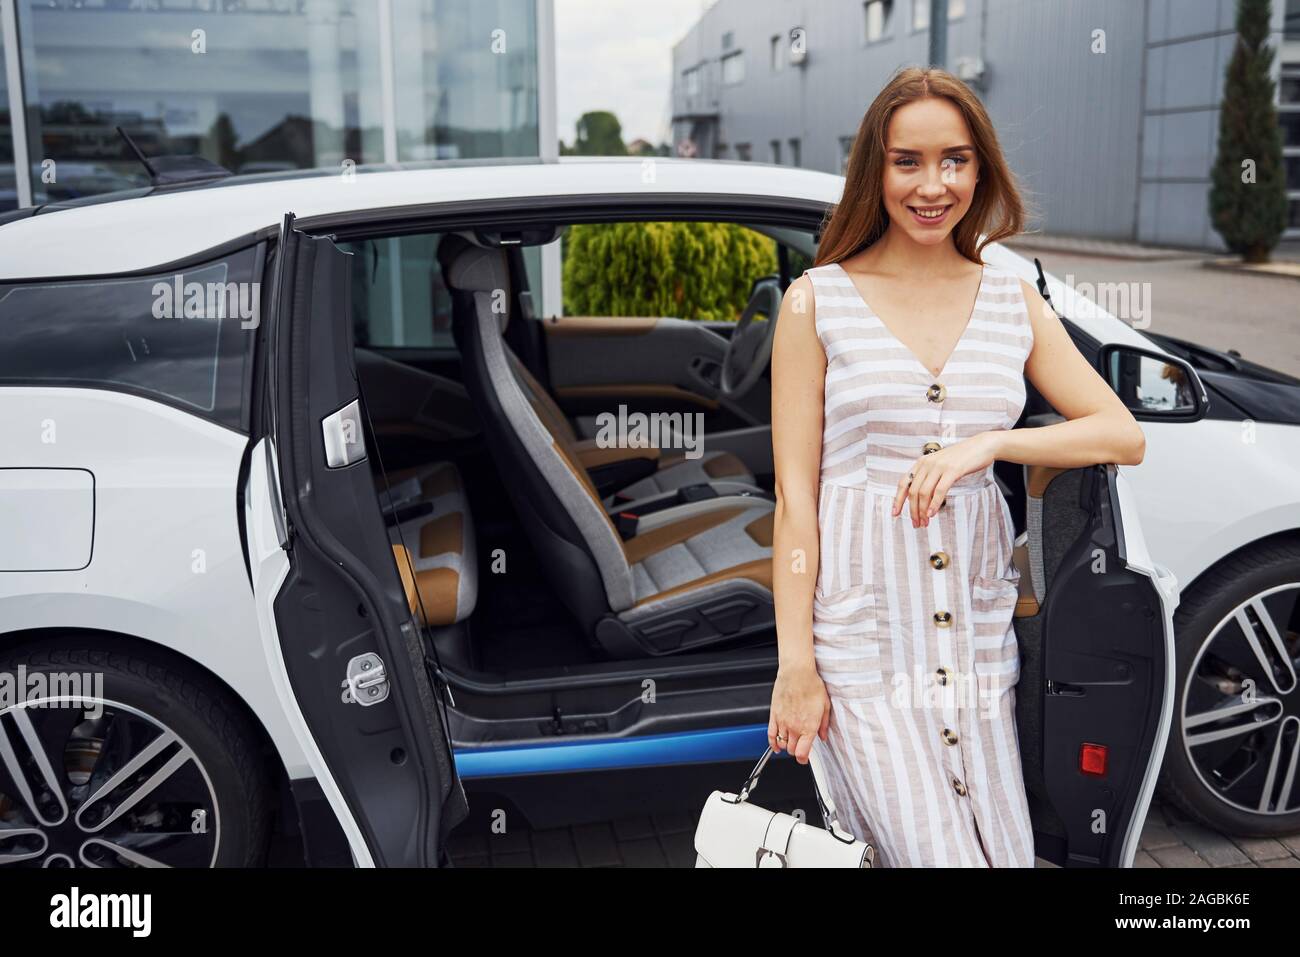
<point>897,374</point>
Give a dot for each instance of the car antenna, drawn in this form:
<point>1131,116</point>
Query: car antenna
<point>139,154</point>
<point>166,172</point>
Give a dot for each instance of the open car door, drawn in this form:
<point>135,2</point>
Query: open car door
<point>339,635</point>
<point>1094,703</point>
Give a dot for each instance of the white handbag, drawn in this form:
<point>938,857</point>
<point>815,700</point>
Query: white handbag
<point>735,832</point>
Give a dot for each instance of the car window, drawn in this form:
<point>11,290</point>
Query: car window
<point>398,297</point>
<point>183,336</point>
<point>687,270</point>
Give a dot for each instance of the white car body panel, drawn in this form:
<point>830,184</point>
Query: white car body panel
<point>47,519</point>
<point>270,566</point>
<point>168,565</point>
<point>1138,558</point>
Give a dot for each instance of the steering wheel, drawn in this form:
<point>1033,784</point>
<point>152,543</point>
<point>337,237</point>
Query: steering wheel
<point>750,348</point>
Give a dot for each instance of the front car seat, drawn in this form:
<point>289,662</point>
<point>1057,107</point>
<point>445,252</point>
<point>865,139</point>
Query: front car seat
<point>694,574</point>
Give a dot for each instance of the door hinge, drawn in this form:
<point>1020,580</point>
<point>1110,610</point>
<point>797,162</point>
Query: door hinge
<point>367,681</point>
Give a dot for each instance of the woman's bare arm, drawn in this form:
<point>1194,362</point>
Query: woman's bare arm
<point>1100,427</point>
<point>798,380</point>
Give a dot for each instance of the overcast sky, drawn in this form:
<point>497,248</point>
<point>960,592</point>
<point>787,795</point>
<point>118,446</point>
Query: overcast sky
<point>616,55</point>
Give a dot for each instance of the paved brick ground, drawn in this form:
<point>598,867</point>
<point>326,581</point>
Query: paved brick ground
<point>667,840</point>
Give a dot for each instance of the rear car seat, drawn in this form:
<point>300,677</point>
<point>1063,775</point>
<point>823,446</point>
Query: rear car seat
<point>433,541</point>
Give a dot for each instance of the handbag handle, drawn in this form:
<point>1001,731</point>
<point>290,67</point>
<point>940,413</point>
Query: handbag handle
<point>827,805</point>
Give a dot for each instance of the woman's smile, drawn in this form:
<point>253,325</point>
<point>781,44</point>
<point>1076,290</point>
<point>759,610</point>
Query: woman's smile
<point>930,215</point>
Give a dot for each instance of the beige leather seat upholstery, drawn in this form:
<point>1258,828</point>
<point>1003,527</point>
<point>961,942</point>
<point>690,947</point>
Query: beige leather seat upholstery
<point>1028,551</point>
<point>721,469</point>
<point>435,551</point>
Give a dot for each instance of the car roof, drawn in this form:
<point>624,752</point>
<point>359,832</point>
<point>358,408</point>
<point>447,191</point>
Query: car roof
<point>139,232</point>
<point>109,235</point>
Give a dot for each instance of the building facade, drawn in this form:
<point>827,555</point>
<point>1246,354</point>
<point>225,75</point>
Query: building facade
<point>263,85</point>
<point>1107,110</point>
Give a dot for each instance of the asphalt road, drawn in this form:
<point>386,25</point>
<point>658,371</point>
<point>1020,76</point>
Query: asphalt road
<point>1257,315</point>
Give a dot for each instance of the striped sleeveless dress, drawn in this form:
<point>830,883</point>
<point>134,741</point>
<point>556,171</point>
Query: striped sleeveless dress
<point>912,626</point>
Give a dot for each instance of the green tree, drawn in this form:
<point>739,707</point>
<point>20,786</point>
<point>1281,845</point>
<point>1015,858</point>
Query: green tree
<point>1248,191</point>
<point>700,271</point>
<point>599,134</point>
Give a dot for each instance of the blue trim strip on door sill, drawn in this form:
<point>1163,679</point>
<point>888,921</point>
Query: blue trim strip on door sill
<point>743,743</point>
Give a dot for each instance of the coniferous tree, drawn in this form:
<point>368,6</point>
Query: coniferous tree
<point>1248,182</point>
<point>700,271</point>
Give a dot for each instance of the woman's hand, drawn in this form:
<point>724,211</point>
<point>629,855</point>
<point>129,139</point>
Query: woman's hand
<point>801,708</point>
<point>935,473</point>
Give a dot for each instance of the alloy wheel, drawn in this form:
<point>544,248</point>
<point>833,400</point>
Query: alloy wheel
<point>1240,721</point>
<point>89,782</point>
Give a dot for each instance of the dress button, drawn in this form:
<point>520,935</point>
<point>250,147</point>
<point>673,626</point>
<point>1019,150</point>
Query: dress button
<point>939,560</point>
<point>936,392</point>
<point>943,618</point>
<point>959,787</point>
<point>944,675</point>
<point>930,447</point>
<point>949,736</point>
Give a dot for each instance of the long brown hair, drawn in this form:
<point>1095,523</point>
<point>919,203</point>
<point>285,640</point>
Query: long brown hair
<point>859,219</point>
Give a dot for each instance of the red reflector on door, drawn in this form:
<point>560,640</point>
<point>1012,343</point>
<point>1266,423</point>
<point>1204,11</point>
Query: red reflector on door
<point>1092,759</point>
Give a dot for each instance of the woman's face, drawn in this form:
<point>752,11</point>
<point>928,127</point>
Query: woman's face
<point>930,169</point>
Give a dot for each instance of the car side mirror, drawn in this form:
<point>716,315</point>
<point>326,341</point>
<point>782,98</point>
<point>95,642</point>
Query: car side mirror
<point>1154,385</point>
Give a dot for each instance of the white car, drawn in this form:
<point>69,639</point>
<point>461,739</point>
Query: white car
<point>304,507</point>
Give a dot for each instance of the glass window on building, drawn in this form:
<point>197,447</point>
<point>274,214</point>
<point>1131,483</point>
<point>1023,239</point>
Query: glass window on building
<point>876,16</point>
<point>776,151</point>
<point>796,158</point>
<point>744,152</point>
<point>1290,121</point>
<point>846,148</point>
<point>733,68</point>
<point>1291,20</point>
<point>1289,117</point>
<point>466,78</point>
<point>269,85</point>
<point>778,53</point>
<point>252,86</point>
<point>691,79</point>
<point>8,188</point>
<point>921,12</point>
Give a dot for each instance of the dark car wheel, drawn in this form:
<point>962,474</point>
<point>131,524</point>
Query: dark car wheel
<point>125,760</point>
<point>1233,759</point>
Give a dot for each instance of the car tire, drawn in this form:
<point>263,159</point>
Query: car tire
<point>1272,569</point>
<point>218,775</point>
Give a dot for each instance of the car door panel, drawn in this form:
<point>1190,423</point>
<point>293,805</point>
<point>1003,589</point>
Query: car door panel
<point>337,608</point>
<point>650,364</point>
<point>1096,669</point>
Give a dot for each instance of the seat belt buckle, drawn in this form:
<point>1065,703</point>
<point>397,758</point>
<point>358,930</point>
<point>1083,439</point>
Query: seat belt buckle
<point>626,523</point>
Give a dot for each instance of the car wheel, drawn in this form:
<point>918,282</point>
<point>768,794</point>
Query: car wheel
<point>117,759</point>
<point>1233,758</point>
